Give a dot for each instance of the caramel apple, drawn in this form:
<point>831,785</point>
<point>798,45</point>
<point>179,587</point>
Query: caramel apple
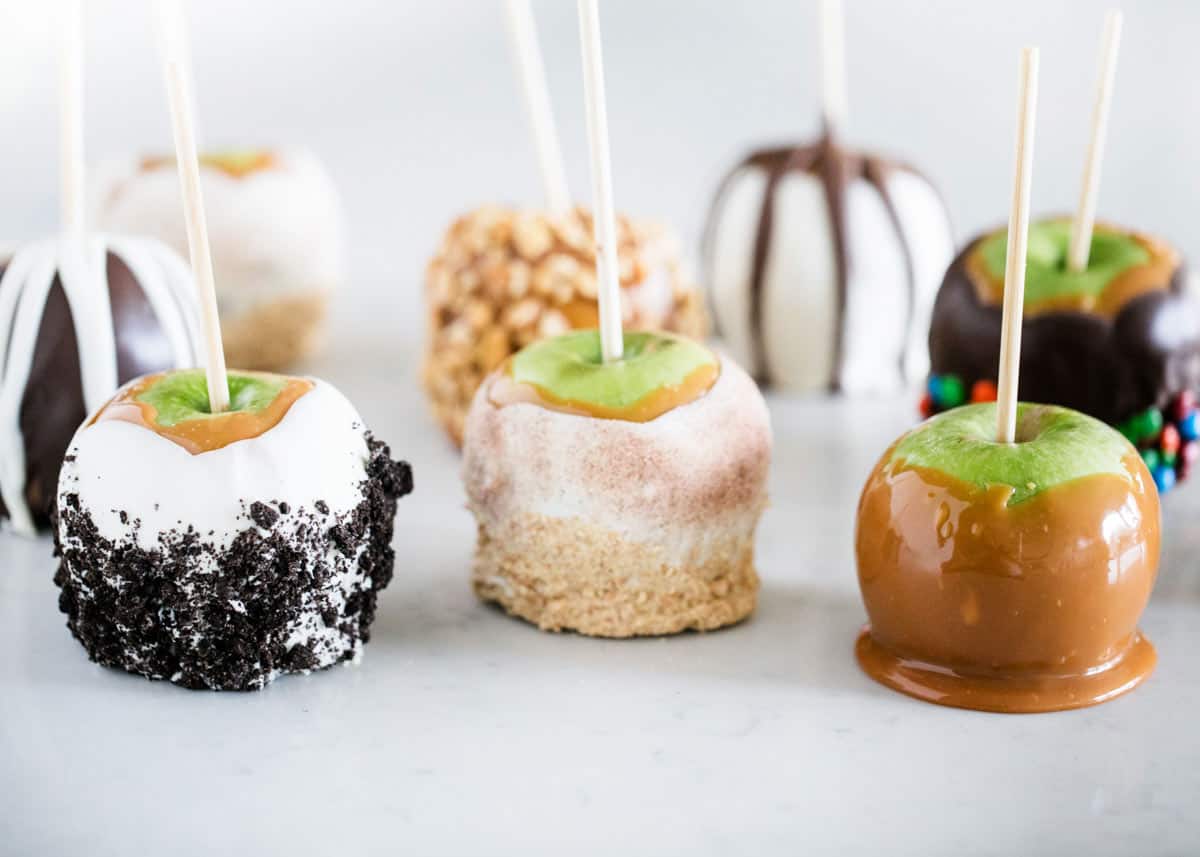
<point>1008,577</point>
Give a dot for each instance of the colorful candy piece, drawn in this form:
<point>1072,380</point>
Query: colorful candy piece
<point>926,406</point>
<point>1153,459</point>
<point>983,391</point>
<point>1143,426</point>
<point>1164,478</point>
<point>1189,426</point>
<point>953,393</point>
<point>1170,440</point>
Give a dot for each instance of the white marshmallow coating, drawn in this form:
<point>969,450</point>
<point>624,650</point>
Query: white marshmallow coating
<point>690,479</point>
<point>275,232</point>
<point>318,451</point>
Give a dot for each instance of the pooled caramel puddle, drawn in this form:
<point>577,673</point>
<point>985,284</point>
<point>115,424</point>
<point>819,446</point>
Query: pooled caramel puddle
<point>1023,608</point>
<point>210,433</point>
<point>1152,276</point>
<point>504,390</point>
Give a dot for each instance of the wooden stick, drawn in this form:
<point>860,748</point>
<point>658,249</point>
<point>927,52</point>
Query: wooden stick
<point>197,230</point>
<point>1018,240</point>
<point>1085,217</point>
<point>608,284</point>
<point>834,105</point>
<point>70,106</point>
<point>532,73</point>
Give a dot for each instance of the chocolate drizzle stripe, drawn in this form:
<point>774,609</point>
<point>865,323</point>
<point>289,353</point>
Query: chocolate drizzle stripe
<point>834,167</point>
<point>834,176</point>
<point>876,172</point>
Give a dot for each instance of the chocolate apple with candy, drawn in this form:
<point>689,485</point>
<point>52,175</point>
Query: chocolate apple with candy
<point>1119,340</point>
<point>618,498</point>
<point>1008,577</point>
<point>220,550</point>
<point>1110,325</point>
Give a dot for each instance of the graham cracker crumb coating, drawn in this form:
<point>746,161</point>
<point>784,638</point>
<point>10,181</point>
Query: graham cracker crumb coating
<point>277,334</point>
<point>567,575</point>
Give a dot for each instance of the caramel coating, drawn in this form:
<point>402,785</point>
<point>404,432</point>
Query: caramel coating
<point>202,435</point>
<point>1031,607</point>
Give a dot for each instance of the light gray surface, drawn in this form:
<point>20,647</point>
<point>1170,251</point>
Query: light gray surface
<point>466,732</point>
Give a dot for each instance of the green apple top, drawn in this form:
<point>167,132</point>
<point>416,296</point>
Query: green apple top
<point>1121,266</point>
<point>1054,446</point>
<point>175,405</point>
<point>659,372</point>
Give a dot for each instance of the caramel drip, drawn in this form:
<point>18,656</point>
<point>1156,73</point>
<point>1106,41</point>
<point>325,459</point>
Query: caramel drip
<point>504,390</point>
<point>209,433</point>
<point>1031,607</point>
<point>236,168</point>
<point>581,313</point>
<point>1152,276</point>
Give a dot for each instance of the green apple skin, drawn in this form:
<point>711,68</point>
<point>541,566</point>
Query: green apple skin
<point>1054,445</point>
<point>183,396</point>
<point>1046,275</point>
<point>571,367</point>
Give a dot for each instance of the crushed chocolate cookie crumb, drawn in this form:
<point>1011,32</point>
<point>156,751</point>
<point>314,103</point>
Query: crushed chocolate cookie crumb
<point>263,515</point>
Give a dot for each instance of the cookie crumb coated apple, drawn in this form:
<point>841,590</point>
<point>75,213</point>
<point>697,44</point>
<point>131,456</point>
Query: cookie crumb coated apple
<point>1008,577</point>
<point>223,550</point>
<point>618,499</point>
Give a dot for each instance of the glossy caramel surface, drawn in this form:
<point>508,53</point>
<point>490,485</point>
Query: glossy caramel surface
<point>1029,607</point>
<point>208,433</point>
<point>504,390</point>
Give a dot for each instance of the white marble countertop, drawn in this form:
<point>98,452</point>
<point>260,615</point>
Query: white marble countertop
<point>466,732</point>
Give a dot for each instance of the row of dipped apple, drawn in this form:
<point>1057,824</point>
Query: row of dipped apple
<point>298,576</point>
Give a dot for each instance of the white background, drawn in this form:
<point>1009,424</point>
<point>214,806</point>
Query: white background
<point>414,107</point>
